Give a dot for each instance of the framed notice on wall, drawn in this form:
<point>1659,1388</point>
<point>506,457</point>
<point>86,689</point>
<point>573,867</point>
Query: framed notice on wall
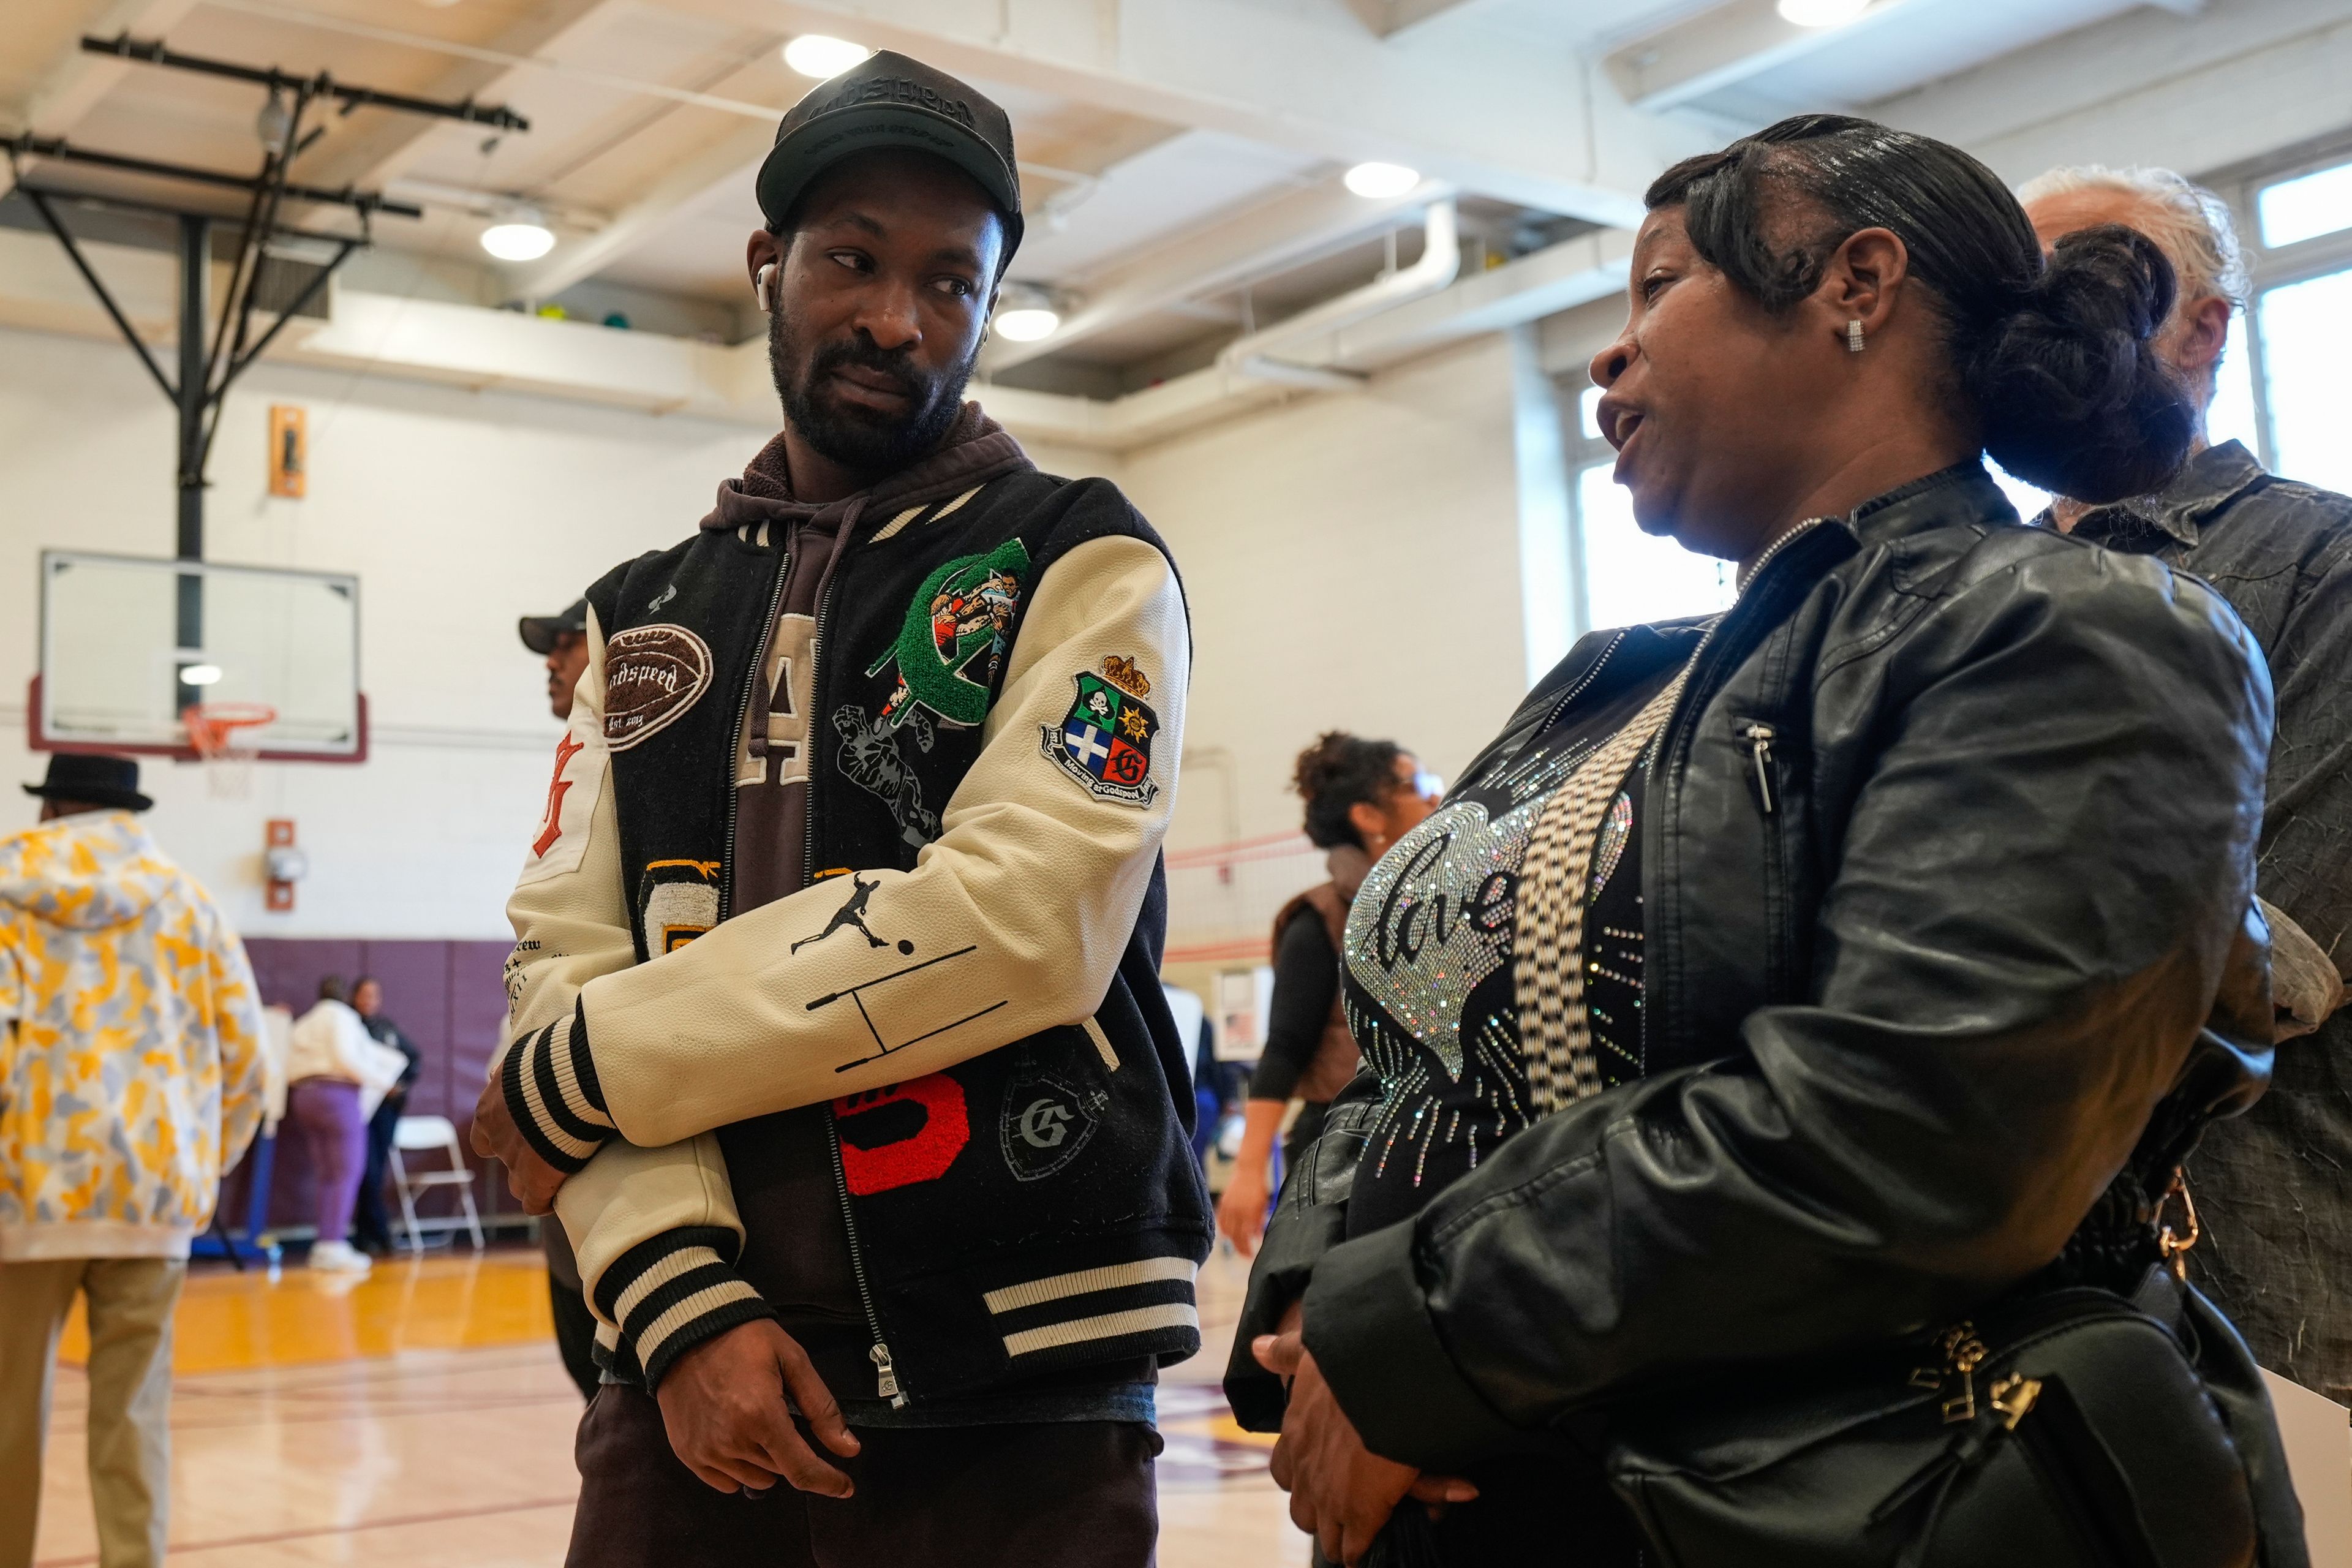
<point>290,450</point>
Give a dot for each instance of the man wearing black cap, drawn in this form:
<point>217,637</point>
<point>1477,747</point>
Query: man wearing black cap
<point>131,1079</point>
<point>563,641</point>
<point>838,940</point>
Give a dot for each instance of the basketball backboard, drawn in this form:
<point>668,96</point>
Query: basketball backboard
<point>129,644</point>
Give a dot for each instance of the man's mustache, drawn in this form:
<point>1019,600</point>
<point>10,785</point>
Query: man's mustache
<point>863,353</point>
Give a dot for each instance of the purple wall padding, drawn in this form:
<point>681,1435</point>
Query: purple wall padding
<point>450,998</point>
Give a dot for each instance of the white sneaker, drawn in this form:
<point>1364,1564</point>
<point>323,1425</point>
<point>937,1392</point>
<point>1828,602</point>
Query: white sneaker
<point>339,1257</point>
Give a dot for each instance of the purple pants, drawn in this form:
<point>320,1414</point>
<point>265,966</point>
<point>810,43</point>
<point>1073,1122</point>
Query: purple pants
<point>327,1112</point>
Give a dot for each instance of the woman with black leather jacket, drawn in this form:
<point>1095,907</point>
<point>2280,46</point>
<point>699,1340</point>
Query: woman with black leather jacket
<point>1803,978</point>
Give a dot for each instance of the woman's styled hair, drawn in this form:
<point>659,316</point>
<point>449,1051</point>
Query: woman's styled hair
<point>2052,362</point>
<point>1339,771</point>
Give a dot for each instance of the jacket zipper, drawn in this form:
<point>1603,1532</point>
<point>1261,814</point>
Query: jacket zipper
<point>742,719</point>
<point>816,705</point>
<point>1573,692</point>
<point>1694,699</point>
<point>1706,642</point>
<point>885,1374</point>
<point>1758,737</point>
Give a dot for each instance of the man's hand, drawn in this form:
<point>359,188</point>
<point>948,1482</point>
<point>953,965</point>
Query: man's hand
<point>723,1404</point>
<point>1241,1212</point>
<point>496,1137</point>
<point>1341,1492</point>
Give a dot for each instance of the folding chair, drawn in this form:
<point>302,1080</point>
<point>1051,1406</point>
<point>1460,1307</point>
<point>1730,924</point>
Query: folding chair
<point>417,1133</point>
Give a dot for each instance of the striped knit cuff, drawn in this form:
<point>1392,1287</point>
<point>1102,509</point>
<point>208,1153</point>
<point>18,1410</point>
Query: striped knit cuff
<point>674,1292</point>
<point>550,1083</point>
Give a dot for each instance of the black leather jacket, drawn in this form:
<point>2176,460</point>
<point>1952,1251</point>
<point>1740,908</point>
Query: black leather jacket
<point>1948,858</point>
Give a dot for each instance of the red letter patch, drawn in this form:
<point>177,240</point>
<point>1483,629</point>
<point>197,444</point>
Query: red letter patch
<point>897,1136</point>
<point>551,827</point>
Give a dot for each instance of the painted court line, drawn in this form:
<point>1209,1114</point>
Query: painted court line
<point>182,1548</point>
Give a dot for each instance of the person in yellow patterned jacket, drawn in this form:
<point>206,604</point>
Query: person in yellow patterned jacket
<point>131,1079</point>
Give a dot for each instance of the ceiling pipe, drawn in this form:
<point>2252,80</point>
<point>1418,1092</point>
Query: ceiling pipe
<point>1256,356</point>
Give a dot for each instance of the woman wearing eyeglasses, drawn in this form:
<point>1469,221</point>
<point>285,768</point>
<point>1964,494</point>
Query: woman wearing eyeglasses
<point>1785,1001</point>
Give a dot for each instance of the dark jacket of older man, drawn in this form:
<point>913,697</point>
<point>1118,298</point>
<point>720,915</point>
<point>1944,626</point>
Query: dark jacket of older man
<point>2273,1187</point>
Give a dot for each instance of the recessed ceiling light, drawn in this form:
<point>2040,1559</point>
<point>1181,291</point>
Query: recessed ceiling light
<point>1383,179</point>
<point>1028,323</point>
<point>199,674</point>
<point>816,55</point>
<point>1822,13</point>
<point>523,239</point>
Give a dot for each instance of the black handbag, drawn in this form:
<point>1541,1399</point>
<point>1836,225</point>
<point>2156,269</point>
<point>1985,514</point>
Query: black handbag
<point>2066,1428</point>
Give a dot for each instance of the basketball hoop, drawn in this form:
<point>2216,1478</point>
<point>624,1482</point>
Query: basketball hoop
<point>226,737</point>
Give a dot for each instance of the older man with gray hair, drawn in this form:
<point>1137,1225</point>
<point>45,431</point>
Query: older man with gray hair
<point>2275,1186</point>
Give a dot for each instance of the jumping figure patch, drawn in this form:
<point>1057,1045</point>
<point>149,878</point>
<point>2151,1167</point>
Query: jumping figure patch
<point>951,645</point>
<point>1105,741</point>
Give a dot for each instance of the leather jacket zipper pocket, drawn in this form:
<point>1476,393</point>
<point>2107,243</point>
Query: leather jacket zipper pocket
<point>1766,781</point>
<point>1758,737</point>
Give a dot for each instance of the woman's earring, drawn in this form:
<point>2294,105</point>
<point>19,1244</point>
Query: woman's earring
<point>1854,343</point>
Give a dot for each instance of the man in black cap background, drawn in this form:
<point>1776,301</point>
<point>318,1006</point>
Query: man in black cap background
<point>835,1012</point>
<point>563,641</point>
<point>131,1079</point>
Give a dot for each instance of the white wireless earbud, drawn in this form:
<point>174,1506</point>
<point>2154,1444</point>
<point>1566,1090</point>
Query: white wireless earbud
<point>764,288</point>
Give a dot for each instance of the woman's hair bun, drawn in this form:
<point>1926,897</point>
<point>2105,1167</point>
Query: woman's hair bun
<point>1339,771</point>
<point>2073,395</point>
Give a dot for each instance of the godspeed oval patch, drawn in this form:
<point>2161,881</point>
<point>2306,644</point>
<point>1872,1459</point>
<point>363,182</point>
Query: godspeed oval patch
<point>651,674</point>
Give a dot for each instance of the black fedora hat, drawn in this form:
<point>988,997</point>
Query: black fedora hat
<point>92,778</point>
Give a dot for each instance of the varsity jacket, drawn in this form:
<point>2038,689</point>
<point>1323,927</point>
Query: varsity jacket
<point>968,980</point>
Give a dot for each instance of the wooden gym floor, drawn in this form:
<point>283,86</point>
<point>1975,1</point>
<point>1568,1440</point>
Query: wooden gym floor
<point>420,1417</point>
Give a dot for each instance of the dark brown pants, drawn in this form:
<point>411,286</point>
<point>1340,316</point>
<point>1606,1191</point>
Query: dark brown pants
<point>1074,1494</point>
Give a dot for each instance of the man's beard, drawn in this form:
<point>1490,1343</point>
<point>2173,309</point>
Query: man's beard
<point>859,438</point>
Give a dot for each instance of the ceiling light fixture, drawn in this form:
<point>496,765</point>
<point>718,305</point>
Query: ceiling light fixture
<point>521,236</point>
<point>816,55</point>
<point>1027,313</point>
<point>275,123</point>
<point>199,674</point>
<point>1382,179</point>
<point>1028,323</point>
<point>1822,13</point>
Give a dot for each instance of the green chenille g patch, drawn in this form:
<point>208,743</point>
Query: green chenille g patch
<point>952,645</point>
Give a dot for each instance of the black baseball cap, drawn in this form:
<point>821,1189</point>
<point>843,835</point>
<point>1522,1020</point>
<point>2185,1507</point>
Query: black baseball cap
<point>540,632</point>
<point>890,100</point>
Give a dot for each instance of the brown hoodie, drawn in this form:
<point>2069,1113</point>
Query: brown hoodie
<point>772,753</point>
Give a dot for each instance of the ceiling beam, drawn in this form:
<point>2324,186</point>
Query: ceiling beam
<point>1258,240</point>
<point>1486,114</point>
<point>76,81</point>
<point>731,158</point>
<point>382,145</point>
<point>1389,18</point>
<point>1725,46</point>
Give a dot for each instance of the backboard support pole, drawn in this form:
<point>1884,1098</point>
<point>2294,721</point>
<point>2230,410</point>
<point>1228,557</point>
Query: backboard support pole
<point>195,261</point>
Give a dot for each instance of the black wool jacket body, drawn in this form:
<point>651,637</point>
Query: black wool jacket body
<point>1947,856</point>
